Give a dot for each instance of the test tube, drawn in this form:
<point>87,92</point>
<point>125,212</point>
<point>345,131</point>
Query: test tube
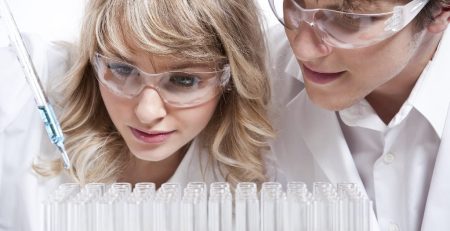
<point>324,206</point>
<point>78,213</point>
<point>120,191</point>
<point>329,208</point>
<point>362,208</point>
<point>134,216</point>
<point>146,191</point>
<point>272,207</point>
<point>299,207</point>
<point>220,207</point>
<point>95,190</point>
<point>167,207</point>
<point>247,207</point>
<point>106,212</point>
<point>354,208</point>
<point>193,207</point>
<point>367,215</point>
<point>91,192</point>
<point>346,191</point>
<point>55,208</point>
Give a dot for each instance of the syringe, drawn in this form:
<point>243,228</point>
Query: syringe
<point>47,114</point>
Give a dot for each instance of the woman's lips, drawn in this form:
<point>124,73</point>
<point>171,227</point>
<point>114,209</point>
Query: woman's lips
<point>152,137</point>
<point>320,77</point>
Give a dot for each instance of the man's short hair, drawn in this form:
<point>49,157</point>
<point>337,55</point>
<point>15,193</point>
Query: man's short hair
<point>426,15</point>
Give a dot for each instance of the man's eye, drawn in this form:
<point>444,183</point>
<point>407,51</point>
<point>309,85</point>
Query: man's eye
<point>301,3</point>
<point>122,70</point>
<point>348,22</point>
<point>184,80</point>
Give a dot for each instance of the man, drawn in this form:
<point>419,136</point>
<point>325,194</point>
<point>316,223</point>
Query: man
<point>374,106</point>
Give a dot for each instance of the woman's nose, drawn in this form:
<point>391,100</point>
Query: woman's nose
<point>150,107</point>
<point>306,44</point>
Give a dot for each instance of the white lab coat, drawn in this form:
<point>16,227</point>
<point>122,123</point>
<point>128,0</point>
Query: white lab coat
<point>310,145</point>
<point>23,138</point>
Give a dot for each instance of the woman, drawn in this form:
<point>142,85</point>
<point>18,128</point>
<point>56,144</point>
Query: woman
<point>159,91</point>
<point>205,90</point>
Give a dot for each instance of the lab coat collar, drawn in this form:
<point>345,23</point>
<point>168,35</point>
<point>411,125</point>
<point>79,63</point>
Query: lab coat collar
<point>429,97</point>
<point>437,208</point>
<point>293,68</point>
<point>190,159</point>
<point>433,98</point>
<point>283,55</point>
<point>195,167</point>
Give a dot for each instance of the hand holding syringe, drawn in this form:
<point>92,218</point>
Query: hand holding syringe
<point>48,116</point>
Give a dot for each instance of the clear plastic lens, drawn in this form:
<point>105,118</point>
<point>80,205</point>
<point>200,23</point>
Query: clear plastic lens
<point>180,89</point>
<point>352,31</point>
<point>346,29</point>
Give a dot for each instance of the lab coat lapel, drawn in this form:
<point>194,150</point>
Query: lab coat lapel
<point>437,209</point>
<point>323,136</point>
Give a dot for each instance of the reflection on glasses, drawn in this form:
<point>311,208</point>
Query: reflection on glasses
<point>177,88</point>
<point>343,29</point>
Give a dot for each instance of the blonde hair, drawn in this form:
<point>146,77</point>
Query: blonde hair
<point>198,30</point>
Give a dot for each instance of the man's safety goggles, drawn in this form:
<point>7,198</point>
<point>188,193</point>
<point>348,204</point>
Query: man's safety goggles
<point>346,30</point>
<point>179,89</point>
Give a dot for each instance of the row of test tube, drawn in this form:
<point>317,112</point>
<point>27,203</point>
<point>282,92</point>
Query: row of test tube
<point>117,207</point>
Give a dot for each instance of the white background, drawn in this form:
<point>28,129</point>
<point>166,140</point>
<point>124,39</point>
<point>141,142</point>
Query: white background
<point>60,19</point>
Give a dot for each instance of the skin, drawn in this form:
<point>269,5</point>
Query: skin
<point>384,74</point>
<point>148,112</point>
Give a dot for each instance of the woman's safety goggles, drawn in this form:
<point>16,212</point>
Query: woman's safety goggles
<point>343,29</point>
<point>177,88</point>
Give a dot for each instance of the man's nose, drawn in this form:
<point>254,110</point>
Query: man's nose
<point>306,44</point>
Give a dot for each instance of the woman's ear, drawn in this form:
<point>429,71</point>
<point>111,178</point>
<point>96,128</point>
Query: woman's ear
<point>440,21</point>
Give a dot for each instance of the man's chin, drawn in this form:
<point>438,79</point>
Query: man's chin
<point>330,103</point>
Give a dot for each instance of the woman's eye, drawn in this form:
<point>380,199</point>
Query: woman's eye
<point>184,80</point>
<point>122,70</point>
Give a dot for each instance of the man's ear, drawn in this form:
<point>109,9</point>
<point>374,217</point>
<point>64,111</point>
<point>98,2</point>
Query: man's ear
<point>440,21</point>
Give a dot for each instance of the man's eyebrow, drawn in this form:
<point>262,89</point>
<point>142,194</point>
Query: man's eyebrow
<point>345,5</point>
<point>333,7</point>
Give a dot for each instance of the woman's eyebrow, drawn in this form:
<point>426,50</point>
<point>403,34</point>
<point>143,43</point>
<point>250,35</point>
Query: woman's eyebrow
<point>186,65</point>
<point>120,58</point>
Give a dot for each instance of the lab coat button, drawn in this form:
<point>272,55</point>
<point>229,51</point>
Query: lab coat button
<point>394,227</point>
<point>388,158</point>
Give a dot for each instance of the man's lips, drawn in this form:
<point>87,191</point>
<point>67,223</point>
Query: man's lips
<point>320,77</point>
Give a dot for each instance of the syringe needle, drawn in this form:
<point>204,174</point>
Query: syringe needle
<point>54,131</point>
<point>47,114</point>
